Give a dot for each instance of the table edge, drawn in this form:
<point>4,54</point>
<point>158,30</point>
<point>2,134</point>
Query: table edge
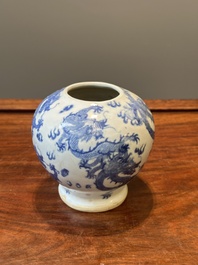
<point>153,104</point>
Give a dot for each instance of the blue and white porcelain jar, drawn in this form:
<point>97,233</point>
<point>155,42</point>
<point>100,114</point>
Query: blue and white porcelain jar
<point>93,137</point>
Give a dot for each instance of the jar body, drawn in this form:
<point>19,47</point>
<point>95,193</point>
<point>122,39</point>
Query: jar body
<point>92,147</point>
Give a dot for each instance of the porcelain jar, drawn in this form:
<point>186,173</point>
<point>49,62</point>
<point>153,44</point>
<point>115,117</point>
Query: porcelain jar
<point>93,138</point>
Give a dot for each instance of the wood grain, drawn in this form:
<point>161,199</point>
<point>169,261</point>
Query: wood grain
<point>158,104</point>
<point>157,224</point>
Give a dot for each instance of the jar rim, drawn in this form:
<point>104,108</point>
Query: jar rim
<point>103,91</point>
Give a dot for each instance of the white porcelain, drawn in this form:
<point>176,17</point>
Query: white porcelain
<point>93,137</point>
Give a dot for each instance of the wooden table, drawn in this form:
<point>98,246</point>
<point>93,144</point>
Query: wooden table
<point>157,224</point>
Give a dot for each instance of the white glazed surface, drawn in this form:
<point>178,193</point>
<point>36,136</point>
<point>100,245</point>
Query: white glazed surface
<point>92,201</point>
<point>92,146</point>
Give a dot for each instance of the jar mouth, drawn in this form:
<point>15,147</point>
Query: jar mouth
<point>93,91</point>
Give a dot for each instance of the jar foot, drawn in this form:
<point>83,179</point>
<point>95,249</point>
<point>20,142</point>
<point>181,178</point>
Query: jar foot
<point>98,201</point>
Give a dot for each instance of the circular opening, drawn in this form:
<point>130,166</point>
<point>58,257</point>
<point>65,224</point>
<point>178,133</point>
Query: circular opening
<point>92,92</point>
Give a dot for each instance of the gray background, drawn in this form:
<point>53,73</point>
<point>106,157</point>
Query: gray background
<point>147,46</point>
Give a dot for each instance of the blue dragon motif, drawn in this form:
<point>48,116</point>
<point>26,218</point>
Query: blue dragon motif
<point>37,124</point>
<point>78,127</point>
<point>44,106</point>
<point>107,160</point>
<point>110,160</point>
<point>137,113</point>
<point>47,103</point>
